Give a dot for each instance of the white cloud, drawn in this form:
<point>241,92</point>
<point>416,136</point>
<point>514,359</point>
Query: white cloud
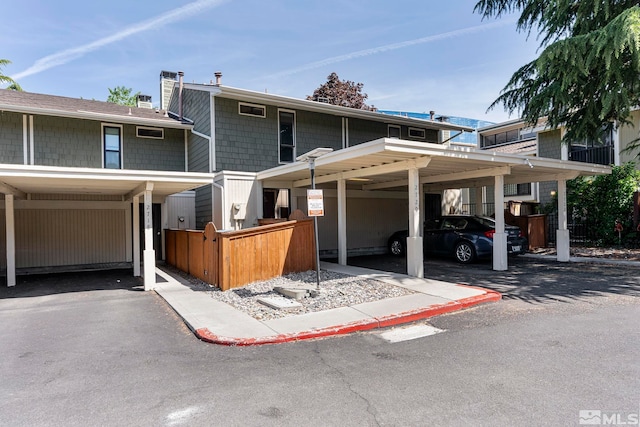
<point>69,55</point>
<point>389,47</point>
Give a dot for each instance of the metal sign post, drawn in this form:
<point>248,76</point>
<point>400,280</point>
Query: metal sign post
<point>315,208</point>
<point>315,204</point>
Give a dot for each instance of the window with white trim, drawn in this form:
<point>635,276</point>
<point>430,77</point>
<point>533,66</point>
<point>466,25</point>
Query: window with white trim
<point>287,135</point>
<point>394,131</point>
<point>146,132</point>
<point>254,110</point>
<point>112,146</point>
<point>417,133</point>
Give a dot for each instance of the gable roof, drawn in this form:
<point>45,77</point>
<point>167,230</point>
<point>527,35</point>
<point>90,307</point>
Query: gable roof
<point>320,107</point>
<point>61,106</point>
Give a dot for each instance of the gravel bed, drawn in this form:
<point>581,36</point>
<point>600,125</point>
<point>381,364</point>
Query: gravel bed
<point>336,290</point>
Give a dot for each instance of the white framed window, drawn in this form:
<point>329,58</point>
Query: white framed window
<point>111,146</point>
<point>417,133</point>
<point>253,110</point>
<point>286,136</point>
<point>147,132</point>
<point>394,131</point>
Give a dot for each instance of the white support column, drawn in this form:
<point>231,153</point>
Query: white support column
<point>563,248</point>
<point>136,236</point>
<point>342,222</point>
<point>149,254</point>
<point>479,200</point>
<point>11,239</point>
<point>422,211</point>
<point>415,260</point>
<point>500,259</point>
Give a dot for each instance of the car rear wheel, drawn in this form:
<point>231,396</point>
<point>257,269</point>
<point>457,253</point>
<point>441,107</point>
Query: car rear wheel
<point>396,247</point>
<point>465,253</point>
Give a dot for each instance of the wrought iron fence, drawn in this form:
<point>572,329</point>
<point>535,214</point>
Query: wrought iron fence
<point>581,231</point>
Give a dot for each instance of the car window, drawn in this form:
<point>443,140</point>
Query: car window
<point>432,224</point>
<point>454,224</point>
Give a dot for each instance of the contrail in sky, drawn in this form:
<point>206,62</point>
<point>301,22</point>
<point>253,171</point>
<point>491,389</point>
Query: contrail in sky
<point>394,46</point>
<point>69,55</point>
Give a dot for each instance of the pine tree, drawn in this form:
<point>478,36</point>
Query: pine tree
<point>586,77</point>
<point>13,85</point>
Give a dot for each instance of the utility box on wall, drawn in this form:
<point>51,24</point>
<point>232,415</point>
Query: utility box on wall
<point>239,211</point>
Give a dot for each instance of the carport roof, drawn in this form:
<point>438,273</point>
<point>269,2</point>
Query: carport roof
<point>383,164</point>
<point>20,180</point>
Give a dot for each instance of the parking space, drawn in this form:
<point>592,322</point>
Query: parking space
<point>528,279</point>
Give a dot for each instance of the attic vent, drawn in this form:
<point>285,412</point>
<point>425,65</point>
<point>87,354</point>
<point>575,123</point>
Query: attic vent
<point>323,99</point>
<point>144,101</point>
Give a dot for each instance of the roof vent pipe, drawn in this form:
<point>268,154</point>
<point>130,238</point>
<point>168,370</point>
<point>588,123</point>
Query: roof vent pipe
<point>432,114</point>
<point>218,75</point>
<point>180,88</point>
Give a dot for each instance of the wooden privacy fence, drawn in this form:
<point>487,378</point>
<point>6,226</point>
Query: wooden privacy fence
<point>231,259</point>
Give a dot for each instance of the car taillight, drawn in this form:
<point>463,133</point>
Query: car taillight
<point>489,233</point>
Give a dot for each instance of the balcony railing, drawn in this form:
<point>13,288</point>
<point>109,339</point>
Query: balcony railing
<point>603,155</point>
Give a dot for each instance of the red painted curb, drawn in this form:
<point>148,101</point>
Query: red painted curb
<point>375,323</point>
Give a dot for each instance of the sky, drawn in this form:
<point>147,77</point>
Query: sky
<point>411,55</point>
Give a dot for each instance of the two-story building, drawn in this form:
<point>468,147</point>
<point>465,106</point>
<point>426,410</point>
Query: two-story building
<point>379,178</point>
<point>85,183</point>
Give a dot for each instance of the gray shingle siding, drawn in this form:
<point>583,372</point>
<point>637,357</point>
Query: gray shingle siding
<point>198,154</point>
<point>195,106</point>
<point>11,138</point>
<point>363,131</point>
<point>203,206</point>
<point>549,146</point>
<point>67,142</point>
<point>245,143</point>
<point>78,143</point>
<point>236,135</point>
<point>153,154</point>
<point>315,130</point>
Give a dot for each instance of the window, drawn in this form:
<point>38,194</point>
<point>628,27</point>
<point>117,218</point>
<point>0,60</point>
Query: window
<point>417,133</point>
<point>112,143</point>
<point>245,109</point>
<point>394,131</point>
<point>154,133</point>
<point>287,135</point>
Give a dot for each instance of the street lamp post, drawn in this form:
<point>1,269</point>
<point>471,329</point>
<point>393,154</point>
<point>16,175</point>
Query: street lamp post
<point>311,157</point>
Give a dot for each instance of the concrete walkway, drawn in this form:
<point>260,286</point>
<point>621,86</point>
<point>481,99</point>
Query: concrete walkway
<point>217,322</point>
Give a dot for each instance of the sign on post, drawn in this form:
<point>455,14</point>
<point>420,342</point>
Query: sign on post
<point>315,203</point>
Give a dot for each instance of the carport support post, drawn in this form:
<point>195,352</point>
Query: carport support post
<point>415,260</point>
<point>136,236</point>
<point>500,259</point>
<point>149,253</point>
<point>11,239</point>
<point>342,222</point>
<point>562,234</point>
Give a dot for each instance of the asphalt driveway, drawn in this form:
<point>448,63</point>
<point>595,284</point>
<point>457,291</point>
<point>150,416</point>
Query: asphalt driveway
<point>534,280</point>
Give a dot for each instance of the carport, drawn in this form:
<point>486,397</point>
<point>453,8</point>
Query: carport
<point>27,185</point>
<point>416,167</point>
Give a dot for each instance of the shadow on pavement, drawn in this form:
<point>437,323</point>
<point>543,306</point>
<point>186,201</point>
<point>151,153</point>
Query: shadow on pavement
<point>57,283</point>
<point>531,280</point>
